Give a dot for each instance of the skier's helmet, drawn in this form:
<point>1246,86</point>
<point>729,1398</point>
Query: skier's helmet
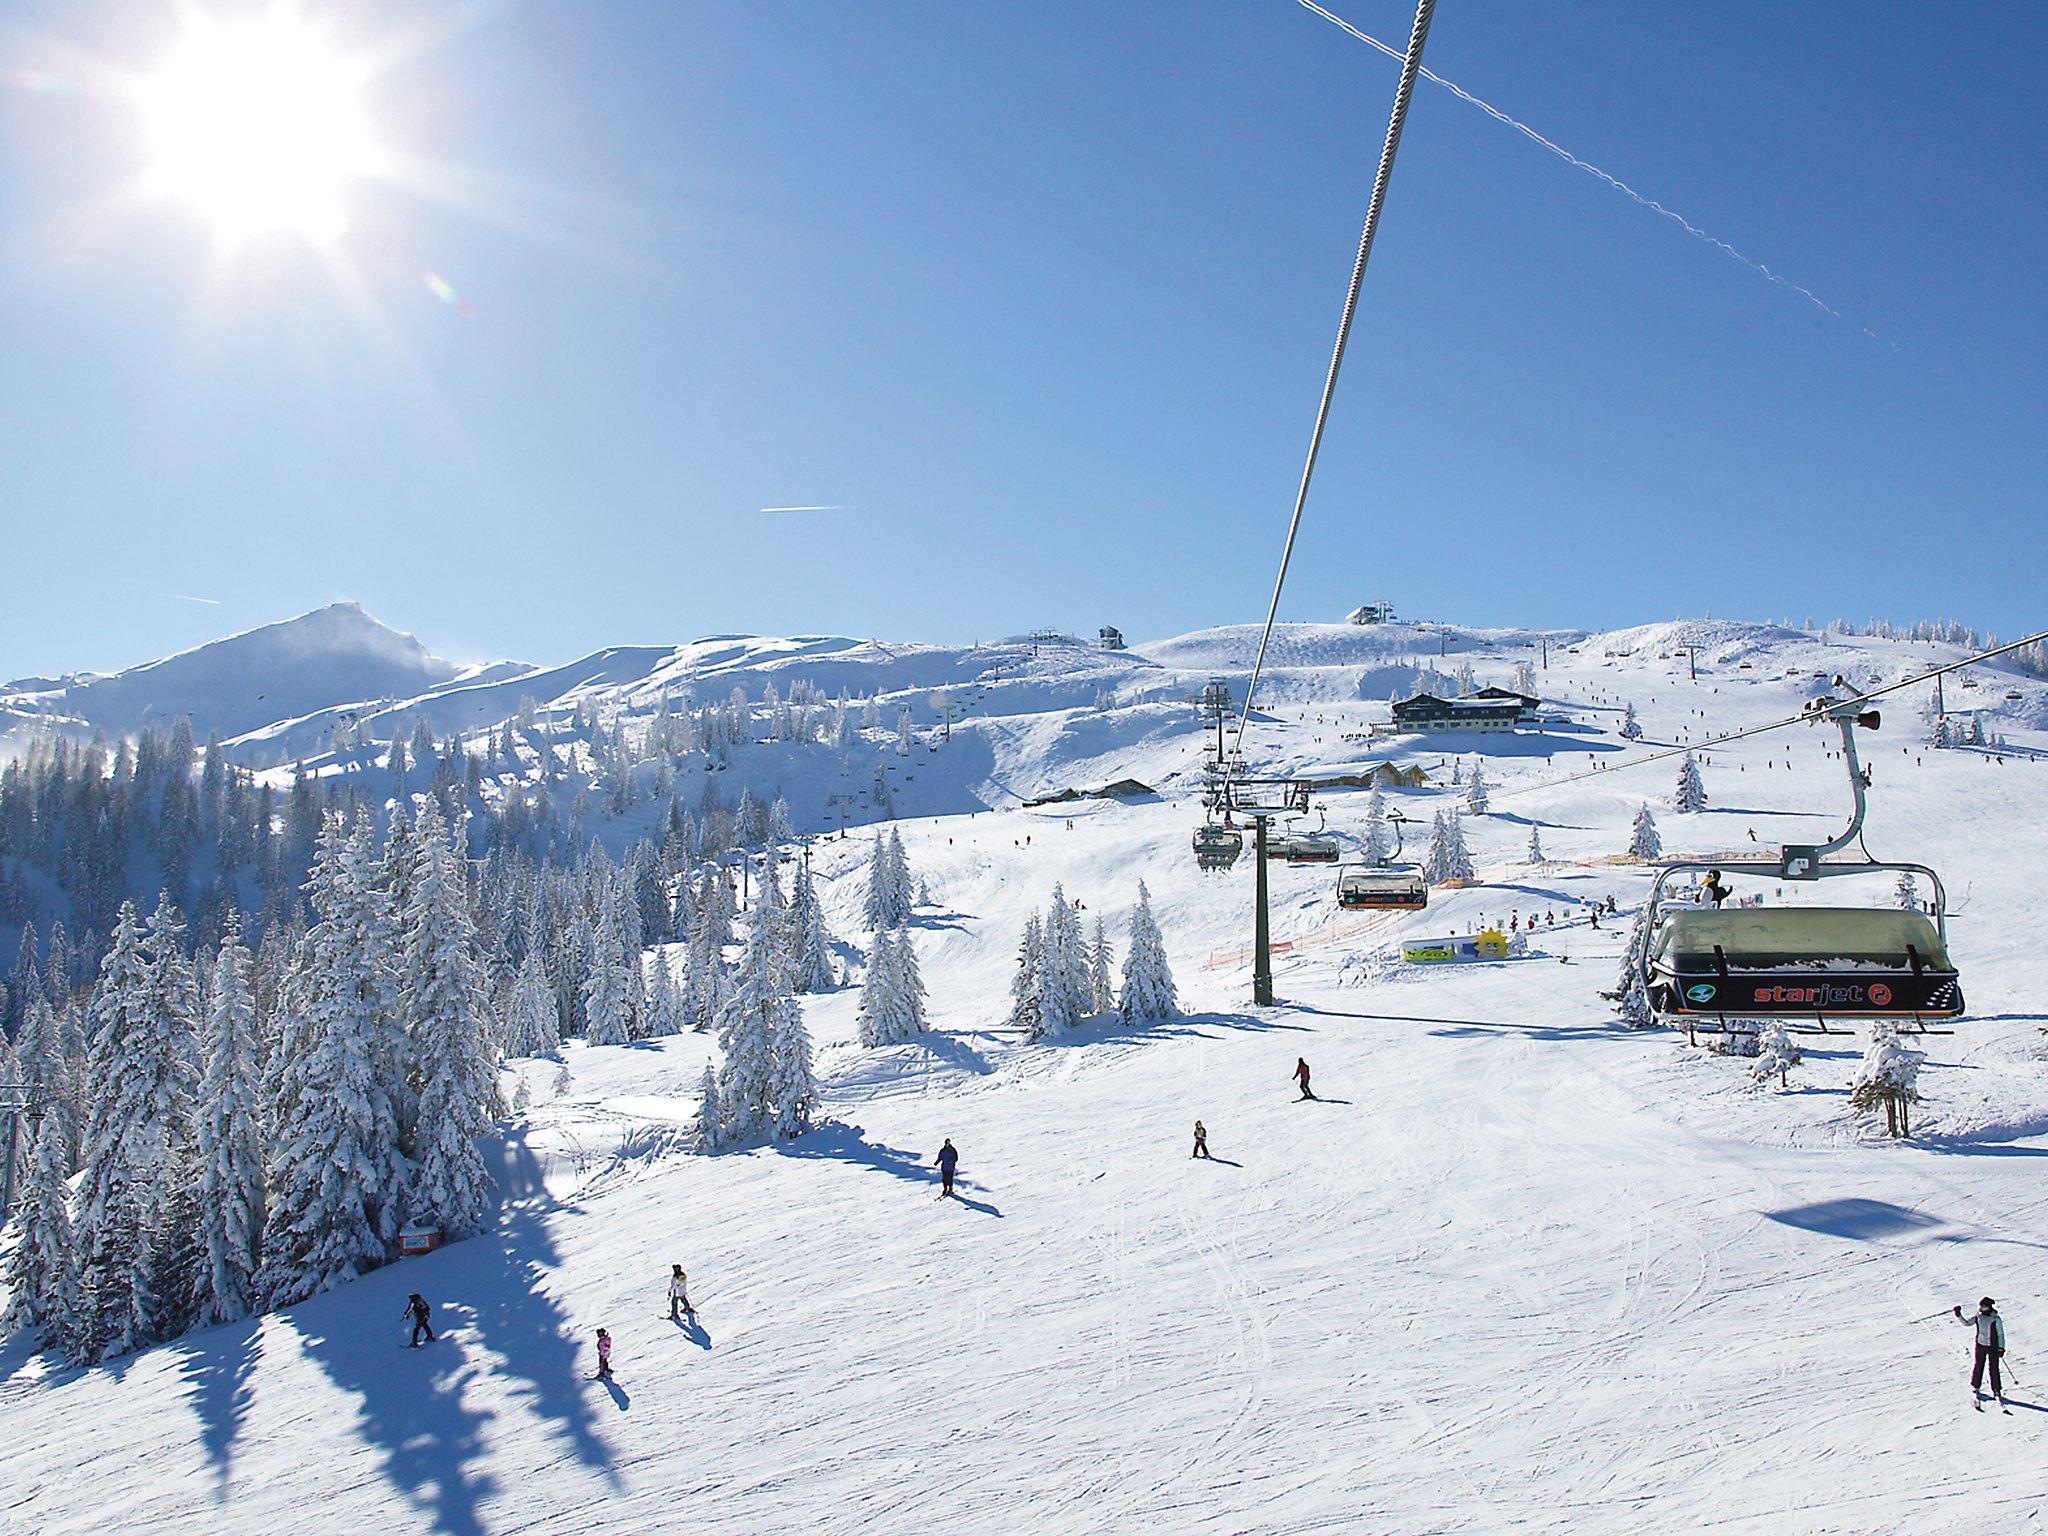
<point>1987,1305</point>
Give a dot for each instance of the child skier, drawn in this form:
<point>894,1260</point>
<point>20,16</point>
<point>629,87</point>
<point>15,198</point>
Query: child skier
<point>946,1161</point>
<point>1990,1328</point>
<point>678,1295</point>
<point>1201,1141</point>
<point>1301,1076</point>
<point>604,1352</point>
<point>417,1309</point>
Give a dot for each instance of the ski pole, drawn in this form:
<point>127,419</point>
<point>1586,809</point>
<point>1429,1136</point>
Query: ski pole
<point>1930,1317</point>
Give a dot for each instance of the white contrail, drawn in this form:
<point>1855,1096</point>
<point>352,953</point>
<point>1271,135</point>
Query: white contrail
<point>834,508</point>
<point>1593,170</point>
<point>186,597</point>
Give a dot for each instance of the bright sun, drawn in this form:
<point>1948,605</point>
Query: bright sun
<point>258,124</point>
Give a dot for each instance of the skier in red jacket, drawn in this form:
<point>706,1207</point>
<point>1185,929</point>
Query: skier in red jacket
<point>1301,1076</point>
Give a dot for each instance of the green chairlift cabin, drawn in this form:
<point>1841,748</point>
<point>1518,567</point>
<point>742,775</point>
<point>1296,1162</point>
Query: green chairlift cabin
<point>1718,972</point>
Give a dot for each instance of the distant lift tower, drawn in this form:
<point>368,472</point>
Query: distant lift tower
<point>1259,801</point>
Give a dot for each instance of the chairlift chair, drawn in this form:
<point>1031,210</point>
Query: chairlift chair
<point>1310,850</point>
<point>1388,885</point>
<point>1382,888</point>
<point>1217,846</point>
<point>1720,971</point>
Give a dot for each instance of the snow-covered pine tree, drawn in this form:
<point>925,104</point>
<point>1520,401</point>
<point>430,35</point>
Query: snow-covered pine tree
<point>1148,992</point>
<point>812,945</point>
<point>230,1139</point>
<point>1477,791</point>
<point>1102,990</point>
<point>1631,728</point>
<point>716,904</point>
<point>42,1065</point>
<point>367,926</point>
<point>707,982</point>
<point>662,1014</point>
<point>140,1063</point>
<point>792,1087</point>
<point>1379,841</point>
<point>1889,1074</point>
<point>1434,856</point>
<point>1777,1054</point>
<point>443,995</point>
<point>710,1117</point>
<point>337,1175</point>
<point>892,993</point>
<point>1024,985</point>
<point>888,903</point>
<point>41,1270</point>
<point>748,1023</point>
<point>1643,841</point>
<point>607,987</point>
<point>1630,970</point>
<point>533,1025</point>
<point>1063,990</point>
<point>1448,857</point>
<point>1907,892</point>
<point>878,907</point>
<point>1691,794</point>
<point>1536,846</point>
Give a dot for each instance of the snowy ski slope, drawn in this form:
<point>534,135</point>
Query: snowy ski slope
<point>1517,1269</point>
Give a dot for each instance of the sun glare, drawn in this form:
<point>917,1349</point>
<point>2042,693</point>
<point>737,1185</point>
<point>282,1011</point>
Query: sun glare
<point>258,125</point>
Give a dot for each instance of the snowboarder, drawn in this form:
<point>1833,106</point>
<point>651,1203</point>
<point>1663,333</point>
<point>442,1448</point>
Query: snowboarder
<point>945,1162</point>
<point>1201,1141</point>
<point>1301,1077</point>
<point>604,1352</point>
<point>417,1309</point>
<point>679,1295</point>
<point>1990,1329</point>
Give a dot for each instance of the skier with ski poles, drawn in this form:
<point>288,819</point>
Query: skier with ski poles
<point>947,1160</point>
<point>1990,1332</point>
<point>1301,1076</point>
<point>417,1309</point>
<point>679,1295</point>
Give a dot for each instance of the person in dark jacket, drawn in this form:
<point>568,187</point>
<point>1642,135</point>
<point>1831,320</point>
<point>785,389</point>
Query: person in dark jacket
<point>1301,1076</point>
<point>1201,1141</point>
<point>417,1309</point>
<point>947,1160</point>
<point>1990,1328</point>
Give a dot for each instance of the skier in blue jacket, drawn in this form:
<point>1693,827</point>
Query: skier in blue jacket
<point>946,1161</point>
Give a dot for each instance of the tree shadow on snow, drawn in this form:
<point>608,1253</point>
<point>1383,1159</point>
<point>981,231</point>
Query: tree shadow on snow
<point>1110,1028</point>
<point>216,1365</point>
<point>412,1405</point>
<point>1453,1028</point>
<point>836,1141</point>
<point>953,1051</point>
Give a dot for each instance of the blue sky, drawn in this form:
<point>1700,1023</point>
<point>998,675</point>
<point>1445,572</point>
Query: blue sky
<point>1042,295</point>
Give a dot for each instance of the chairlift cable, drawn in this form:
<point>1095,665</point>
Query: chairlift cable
<point>1803,718</point>
<point>1411,65</point>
